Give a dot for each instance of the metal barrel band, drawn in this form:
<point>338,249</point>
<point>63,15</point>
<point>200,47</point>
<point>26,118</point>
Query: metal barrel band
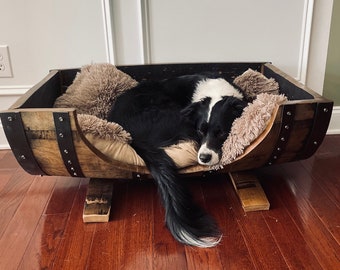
<point>323,112</point>
<point>17,139</point>
<point>288,115</point>
<point>65,142</point>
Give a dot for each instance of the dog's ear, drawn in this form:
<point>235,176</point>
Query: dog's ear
<point>234,105</point>
<point>239,106</point>
<point>191,110</point>
<point>194,110</point>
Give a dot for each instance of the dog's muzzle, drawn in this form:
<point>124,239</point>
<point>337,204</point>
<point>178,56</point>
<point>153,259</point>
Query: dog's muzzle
<point>207,156</point>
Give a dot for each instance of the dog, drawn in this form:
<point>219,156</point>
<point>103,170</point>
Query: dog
<point>199,107</point>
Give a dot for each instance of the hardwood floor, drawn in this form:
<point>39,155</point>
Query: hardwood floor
<point>41,221</point>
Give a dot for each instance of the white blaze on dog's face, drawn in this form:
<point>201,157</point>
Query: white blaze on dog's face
<point>215,130</point>
<point>215,89</point>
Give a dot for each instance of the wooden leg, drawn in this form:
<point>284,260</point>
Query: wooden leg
<point>249,191</point>
<point>98,200</point>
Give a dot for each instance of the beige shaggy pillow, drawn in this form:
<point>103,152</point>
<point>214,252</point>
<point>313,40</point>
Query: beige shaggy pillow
<point>249,126</point>
<point>94,90</point>
<point>252,83</point>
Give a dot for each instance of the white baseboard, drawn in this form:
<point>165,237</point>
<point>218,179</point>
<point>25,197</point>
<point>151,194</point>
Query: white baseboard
<point>334,125</point>
<point>3,141</point>
<point>8,95</point>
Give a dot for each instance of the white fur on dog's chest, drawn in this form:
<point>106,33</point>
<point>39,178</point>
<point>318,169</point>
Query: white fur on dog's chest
<point>216,89</point>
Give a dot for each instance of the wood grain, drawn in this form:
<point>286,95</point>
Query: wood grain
<point>323,243</point>
<point>249,191</point>
<point>12,195</point>
<point>198,258</point>
<point>109,237</point>
<point>41,223</point>
<point>97,205</point>
<point>287,235</point>
<point>42,249</point>
<point>257,234</point>
<point>233,251</point>
<point>75,246</point>
<point>166,251</point>
<point>17,235</point>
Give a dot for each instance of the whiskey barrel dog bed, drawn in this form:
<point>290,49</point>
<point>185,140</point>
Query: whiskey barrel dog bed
<point>48,138</point>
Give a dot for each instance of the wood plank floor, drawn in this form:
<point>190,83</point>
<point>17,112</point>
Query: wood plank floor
<point>41,221</point>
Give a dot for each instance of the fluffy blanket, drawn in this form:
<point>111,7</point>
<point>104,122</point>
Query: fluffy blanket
<point>253,83</point>
<point>94,89</point>
<point>249,126</point>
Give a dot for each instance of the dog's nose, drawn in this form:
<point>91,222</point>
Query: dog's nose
<point>205,158</point>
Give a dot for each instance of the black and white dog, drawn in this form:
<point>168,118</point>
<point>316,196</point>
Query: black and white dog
<point>159,114</point>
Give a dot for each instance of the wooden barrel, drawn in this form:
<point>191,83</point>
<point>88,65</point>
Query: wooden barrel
<point>49,141</point>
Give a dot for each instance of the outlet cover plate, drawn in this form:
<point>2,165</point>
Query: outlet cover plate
<point>5,63</point>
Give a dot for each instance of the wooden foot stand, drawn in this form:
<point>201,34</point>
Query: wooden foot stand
<point>98,200</point>
<point>99,195</point>
<point>250,191</point>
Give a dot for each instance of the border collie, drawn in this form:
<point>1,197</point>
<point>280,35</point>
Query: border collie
<point>161,113</point>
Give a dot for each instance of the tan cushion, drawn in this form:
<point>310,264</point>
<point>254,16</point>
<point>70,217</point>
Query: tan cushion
<point>184,153</point>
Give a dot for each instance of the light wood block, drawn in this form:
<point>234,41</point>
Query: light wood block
<point>98,200</point>
<point>250,191</point>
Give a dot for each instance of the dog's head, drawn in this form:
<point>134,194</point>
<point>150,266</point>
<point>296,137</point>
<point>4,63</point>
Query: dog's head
<point>213,126</point>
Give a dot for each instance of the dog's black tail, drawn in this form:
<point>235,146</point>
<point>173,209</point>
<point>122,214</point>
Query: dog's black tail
<point>187,222</point>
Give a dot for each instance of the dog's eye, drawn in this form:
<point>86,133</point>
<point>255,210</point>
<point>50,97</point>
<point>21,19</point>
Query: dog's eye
<point>220,134</point>
<point>202,129</point>
<point>201,132</point>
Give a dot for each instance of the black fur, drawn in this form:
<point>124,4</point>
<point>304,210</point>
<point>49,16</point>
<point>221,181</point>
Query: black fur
<point>159,114</point>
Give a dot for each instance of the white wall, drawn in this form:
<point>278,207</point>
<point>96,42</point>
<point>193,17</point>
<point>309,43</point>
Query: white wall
<point>318,55</point>
<point>42,35</point>
<point>319,44</point>
<point>230,31</point>
<point>160,31</point>
<point>48,34</point>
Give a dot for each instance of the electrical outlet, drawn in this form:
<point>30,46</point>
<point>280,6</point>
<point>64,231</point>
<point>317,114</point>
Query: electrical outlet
<point>5,63</point>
